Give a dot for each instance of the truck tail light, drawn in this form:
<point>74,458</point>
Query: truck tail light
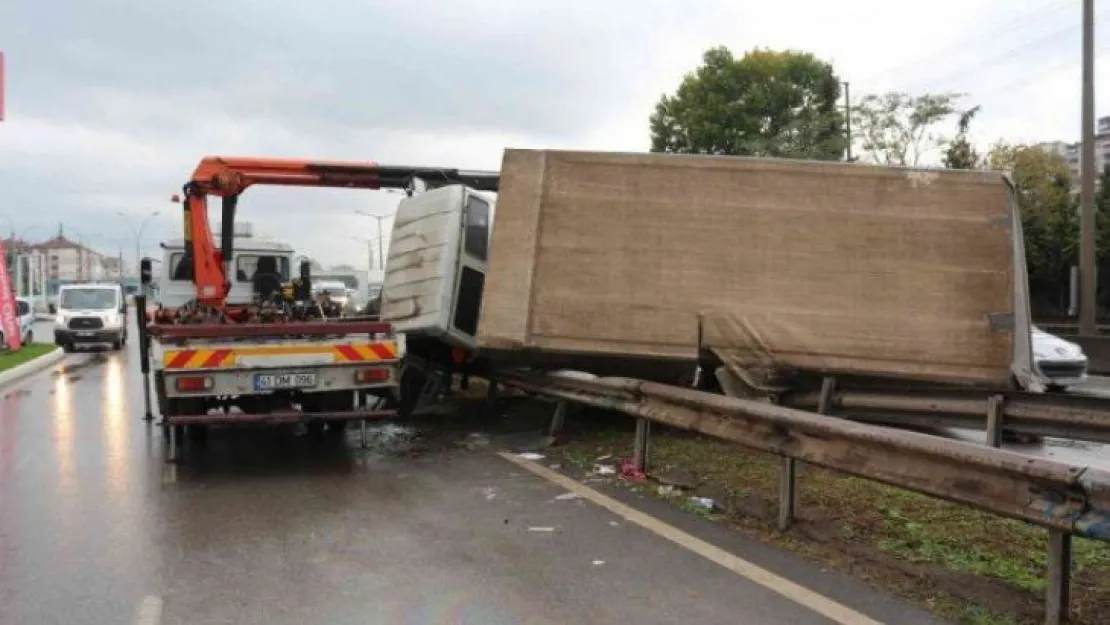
<point>192,384</point>
<point>368,376</point>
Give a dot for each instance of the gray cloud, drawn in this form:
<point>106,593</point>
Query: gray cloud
<point>112,102</point>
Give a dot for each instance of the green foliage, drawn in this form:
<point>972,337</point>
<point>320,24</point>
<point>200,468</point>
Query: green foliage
<point>1102,236</point>
<point>960,153</point>
<point>767,103</point>
<point>1049,217</point>
<point>897,128</point>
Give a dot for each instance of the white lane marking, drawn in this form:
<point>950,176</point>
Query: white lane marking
<point>801,595</point>
<point>149,611</point>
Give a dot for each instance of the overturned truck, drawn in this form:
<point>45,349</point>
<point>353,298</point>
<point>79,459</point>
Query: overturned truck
<point>767,273</point>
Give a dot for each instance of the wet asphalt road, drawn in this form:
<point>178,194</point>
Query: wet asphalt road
<point>263,527</point>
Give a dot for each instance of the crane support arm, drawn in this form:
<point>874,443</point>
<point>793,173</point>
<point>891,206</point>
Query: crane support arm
<point>229,177</point>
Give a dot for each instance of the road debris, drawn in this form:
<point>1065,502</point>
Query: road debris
<point>679,478</point>
<point>630,472</point>
<point>599,562</point>
<point>490,493</point>
<point>531,455</point>
<point>704,502</point>
<point>565,496</point>
<point>667,490</point>
<point>604,469</point>
<point>541,529</point>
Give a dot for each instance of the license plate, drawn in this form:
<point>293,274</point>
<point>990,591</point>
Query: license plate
<point>272,381</point>
<point>84,334</point>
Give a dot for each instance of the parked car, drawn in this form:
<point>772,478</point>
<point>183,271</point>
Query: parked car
<point>1061,362</point>
<point>25,317</point>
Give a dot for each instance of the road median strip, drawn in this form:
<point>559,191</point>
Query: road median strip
<point>27,360</point>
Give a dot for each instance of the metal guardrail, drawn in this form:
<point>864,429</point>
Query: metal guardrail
<point>1067,499</point>
<point>1063,416</point>
<point>1056,495</point>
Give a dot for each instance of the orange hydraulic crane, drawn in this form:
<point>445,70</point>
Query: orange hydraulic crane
<point>229,177</point>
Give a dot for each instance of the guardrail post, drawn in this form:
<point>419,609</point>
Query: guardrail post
<point>558,419</point>
<point>640,453</point>
<point>1058,597</point>
<point>994,420</point>
<point>788,477</point>
<point>788,481</point>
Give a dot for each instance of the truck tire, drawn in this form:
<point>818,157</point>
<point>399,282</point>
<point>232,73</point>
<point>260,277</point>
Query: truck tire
<point>411,386</point>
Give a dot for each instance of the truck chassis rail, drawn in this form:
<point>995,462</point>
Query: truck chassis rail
<point>178,332</point>
<point>277,417</point>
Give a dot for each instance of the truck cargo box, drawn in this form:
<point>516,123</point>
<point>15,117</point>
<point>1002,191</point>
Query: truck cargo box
<point>800,265</point>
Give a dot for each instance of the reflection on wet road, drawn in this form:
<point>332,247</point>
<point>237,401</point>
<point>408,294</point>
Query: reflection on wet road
<point>260,526</point>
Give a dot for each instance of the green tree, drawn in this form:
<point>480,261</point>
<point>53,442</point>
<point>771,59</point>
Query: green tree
<point>767,103</point>
<point>960,153</point>
<point>898,129</point>
<point>1049,219</point>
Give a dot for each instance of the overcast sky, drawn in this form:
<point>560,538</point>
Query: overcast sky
<point>110,103</point>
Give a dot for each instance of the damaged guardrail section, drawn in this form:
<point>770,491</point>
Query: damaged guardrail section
<point>1056,495</point>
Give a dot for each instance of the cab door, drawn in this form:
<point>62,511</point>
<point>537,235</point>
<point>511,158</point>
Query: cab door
<point>470,277</point>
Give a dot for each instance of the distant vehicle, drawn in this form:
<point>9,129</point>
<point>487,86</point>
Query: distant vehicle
<point>336,291</point>
<point>1061,362</point>
<point>25,316</point>
<point>94,313</point>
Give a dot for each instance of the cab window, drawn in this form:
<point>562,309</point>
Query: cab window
<point>246,265</point>
<point>477,227</point>
<point>22,307</point>
<point>180,271</point>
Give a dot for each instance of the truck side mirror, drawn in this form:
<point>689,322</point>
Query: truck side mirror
<point>146,271</point>
<point>306,270</point>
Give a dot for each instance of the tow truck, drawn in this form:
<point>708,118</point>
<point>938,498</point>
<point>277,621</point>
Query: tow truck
<point>281,355</point>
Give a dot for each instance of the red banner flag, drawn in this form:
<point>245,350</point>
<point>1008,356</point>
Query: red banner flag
<point>8,320</point>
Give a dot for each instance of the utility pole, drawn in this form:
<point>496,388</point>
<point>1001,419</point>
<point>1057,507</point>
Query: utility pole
<point>848,118</point>
<point>1087,286</point>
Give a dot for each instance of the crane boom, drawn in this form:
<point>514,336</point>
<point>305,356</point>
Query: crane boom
<point>228,177</point>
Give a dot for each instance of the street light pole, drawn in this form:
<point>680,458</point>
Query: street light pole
<point>1088,311</point>
<point>378,219</point>
<point>138,232</point>
<point>369,249</point>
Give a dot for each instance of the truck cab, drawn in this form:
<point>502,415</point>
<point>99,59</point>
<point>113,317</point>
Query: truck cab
<point>436,269</point>
<point>176,287</point>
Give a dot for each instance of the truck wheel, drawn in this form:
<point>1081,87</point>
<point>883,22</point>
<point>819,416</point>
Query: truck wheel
<point>412,384</point>
<point>67,348</point>
<point>116,345</point>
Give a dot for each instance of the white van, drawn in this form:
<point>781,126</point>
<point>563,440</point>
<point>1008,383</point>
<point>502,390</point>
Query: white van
<point>88,314</point>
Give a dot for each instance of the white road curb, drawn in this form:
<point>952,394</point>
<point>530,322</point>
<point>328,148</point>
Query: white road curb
<point>32,366</point>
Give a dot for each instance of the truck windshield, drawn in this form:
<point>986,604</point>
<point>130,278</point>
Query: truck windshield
<point>87,299</point>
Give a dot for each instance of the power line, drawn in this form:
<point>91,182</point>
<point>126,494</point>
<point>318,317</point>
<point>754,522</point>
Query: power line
<point>1029,78</point>
<point>1019,20</point>
<point>1007,56</point>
